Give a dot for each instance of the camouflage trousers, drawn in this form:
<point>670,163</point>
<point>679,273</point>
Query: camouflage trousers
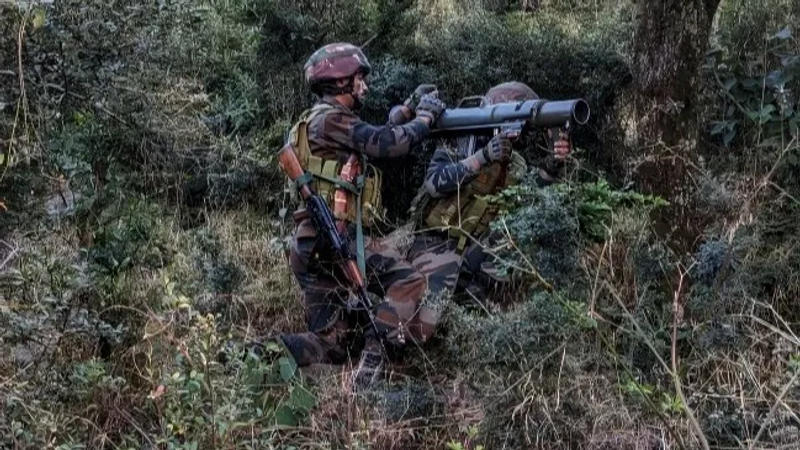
<point>436,256</point>
<point>331,328</point>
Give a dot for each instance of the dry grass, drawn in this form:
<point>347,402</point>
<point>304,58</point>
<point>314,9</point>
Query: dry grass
<point>112,360</point>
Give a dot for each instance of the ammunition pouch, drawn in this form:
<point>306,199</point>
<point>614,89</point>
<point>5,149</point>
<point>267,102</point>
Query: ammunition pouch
<point>326,179</point>
<point>468,212</point>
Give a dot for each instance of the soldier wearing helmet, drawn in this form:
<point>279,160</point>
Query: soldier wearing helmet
<point>325,138</point>
<point>461,172</point>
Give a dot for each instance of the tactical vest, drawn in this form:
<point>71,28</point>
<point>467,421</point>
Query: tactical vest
<point>326,173</point>
<point>467,212</point>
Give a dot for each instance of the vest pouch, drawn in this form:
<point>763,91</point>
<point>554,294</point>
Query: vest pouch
<point>442,214</point>
<point>371,201</point>
<point>330,170</point>
<point>445,211</point>
<point>325,170</point>
<point>471,216</point>
<point>476,213</point>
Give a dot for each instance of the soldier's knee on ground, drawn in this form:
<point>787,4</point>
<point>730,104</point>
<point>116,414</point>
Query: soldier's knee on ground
<point>317,348</point>
<point>304,350</point>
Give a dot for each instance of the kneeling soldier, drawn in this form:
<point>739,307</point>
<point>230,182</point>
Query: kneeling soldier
<point>330,140</point>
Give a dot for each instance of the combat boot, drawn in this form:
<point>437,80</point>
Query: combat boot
<point>370,365</point>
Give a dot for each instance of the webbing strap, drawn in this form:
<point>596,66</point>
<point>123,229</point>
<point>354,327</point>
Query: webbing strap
<point>338,182</point>
<point>462,242</point>
<point>304,179</point>
<point>360,258</point>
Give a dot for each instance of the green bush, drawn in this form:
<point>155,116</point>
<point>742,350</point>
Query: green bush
<point>201,403</point>
<point>530,330</point>
<point>113,309</point>
<point>128,236</point>
<point>544,231</point>
<point>475,50</point>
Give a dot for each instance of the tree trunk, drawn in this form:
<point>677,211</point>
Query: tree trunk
<point>660,117</point>
<point>529,5</point>
<point>670,43</point>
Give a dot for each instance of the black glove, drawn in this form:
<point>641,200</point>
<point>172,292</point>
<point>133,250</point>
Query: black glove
<point>413,100</point>
<point>498,149</point>
<point>430,106</point>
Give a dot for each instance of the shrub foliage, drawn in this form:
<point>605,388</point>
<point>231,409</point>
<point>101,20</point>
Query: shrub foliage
<point>142,234</point>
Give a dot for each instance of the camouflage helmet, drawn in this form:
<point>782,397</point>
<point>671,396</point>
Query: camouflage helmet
<point>511,91</point>
<point>334,61</point>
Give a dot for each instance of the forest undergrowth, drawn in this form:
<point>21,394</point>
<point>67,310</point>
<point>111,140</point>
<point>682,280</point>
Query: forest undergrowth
<point>143,222</point>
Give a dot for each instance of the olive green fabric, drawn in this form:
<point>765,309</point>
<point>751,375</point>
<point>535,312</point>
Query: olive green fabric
<point>326,174</point>
<point>468,213</point>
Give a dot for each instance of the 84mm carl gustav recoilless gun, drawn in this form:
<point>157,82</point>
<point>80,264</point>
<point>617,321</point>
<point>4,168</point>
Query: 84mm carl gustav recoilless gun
<point>513,117</point>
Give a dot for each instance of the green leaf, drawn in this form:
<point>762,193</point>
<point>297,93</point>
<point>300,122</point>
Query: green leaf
<point>287,368</point>
<point>39,19</point>
<point>285,416</point>
<point>794,126</point>
<point>765,114</point>
<point>632,387</point>
<point>193,386</point>
<point>272,347</point>
<point>301,399</point>
<point>794,362</point>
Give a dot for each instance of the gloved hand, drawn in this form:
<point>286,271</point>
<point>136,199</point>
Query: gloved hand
<point>430,106</point>
<point>561,145</point>
<point>413,100</point>
<point>498,149</point>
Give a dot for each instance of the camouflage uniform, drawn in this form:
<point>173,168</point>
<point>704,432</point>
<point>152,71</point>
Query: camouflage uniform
<point>436,254</point>
<point>334,134</point>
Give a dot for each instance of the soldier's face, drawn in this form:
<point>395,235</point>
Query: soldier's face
<point>358,90</point>
<point>360,87</point>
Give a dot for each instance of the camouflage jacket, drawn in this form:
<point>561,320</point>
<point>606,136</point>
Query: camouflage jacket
<point>338,131</point>
<point>449,169</point>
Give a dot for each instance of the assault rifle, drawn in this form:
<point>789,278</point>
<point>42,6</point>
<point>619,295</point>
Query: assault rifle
<point>325,225</point>
<point>514,117</point>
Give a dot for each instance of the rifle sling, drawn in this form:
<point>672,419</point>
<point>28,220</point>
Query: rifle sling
<point>349,187</point>
<point>303,179</point>
<point>360,259</point>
